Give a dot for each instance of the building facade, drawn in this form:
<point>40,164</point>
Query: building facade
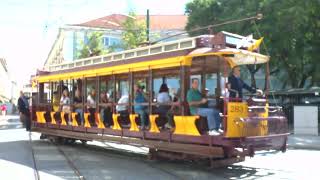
<point>69,39</point>
<point>8,87</point>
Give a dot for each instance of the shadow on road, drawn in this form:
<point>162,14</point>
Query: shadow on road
<point>243,172</point>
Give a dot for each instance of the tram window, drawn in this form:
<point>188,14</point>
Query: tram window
<point>259,75</point>
<point>173,84</point>
<point>91,85</point>
<point>45,94</point>
<point>67,84</point>
<point>109,90</point>
<point>211,83</point>
<point>103,84</point>
<point>123,88</point>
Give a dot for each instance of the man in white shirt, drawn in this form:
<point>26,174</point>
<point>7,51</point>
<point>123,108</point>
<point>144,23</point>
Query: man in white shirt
<point>91,102</point>
<point>122,100</point>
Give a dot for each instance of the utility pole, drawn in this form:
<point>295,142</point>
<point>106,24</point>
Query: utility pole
<point>148,25</point>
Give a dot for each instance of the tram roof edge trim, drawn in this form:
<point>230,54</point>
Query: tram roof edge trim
<point>154,64</point>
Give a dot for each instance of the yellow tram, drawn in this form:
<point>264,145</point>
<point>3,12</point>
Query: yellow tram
<point>248,124</point>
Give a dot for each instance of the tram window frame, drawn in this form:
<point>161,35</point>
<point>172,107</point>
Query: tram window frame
<point>44,93</point>
<point>119,79</point>
<point>77,84</point>
<point>90,84</point>
<point>105,82</point>
<point>164,75</point>
<point>68,83</point>
<point>214,89</point>
<point>142,79</point>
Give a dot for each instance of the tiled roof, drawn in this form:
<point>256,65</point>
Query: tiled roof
<point>157,22</point>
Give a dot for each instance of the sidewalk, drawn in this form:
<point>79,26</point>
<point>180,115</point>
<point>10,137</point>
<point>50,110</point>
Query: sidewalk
<point>304,142</point>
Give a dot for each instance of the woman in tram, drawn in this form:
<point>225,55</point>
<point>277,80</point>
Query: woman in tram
<point>65,103</point>
<point>105,111</point>
<point>78,105</point>
<point>164,110</point>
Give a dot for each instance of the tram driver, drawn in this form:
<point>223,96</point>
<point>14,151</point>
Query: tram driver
<point>236,84</point>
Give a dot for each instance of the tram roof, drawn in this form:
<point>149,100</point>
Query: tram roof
<point>163,55</point>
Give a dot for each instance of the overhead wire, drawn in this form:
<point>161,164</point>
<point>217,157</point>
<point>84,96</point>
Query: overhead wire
<point>258,16</point>
<point>268,54</point>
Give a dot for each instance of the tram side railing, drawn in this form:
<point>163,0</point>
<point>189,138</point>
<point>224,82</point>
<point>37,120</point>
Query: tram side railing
<point>187,43</point>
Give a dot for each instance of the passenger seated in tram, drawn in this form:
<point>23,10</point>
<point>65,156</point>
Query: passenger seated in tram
<point>78,105</point>
<point>91,105</point>
<point>122,109</point>
<point>65,103</point>
<point>165,110</point>
<point>236,84</point>
<point>196,103</point>
<point>140,109</point>
<point>105,111</point>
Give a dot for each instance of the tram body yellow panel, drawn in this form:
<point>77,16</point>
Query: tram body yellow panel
<point>186,125</point>
<point>153,125</point>
<point>236,127</point>
<point>263,130</point>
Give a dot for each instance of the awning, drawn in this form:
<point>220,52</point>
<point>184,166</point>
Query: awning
<point>234,56</point>
<point>242,57</point>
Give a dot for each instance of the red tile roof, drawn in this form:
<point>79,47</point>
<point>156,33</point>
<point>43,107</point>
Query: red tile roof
<point>157,22</point>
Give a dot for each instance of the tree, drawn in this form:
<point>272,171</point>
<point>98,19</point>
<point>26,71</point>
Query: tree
<point>134,33</point>
<point>93,46</point>
<point>291,31</point>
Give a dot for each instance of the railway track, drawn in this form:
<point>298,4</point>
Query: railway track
<point>35,167</point>
<point>69,161</point>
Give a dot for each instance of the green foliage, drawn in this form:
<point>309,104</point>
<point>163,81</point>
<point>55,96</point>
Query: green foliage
<point>291,29</point>
<point>134,32</point>
<point>93,47</point>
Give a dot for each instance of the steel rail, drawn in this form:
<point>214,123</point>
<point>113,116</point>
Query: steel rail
<point>35,168</point>
<point>71,164</point>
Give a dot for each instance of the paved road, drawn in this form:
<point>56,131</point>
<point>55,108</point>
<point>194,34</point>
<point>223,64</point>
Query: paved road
<point>101,161</point>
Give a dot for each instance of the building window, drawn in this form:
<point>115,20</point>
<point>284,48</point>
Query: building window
<point>106,41</point>
<point>114,41</point>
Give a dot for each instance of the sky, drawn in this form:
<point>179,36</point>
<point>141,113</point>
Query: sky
<point>29,27</point>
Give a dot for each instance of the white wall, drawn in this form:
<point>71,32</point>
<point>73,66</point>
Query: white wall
<point>306,120</point>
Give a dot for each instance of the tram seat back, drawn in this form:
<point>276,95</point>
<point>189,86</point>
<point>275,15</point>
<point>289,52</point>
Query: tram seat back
<point>123,119</point>
<point>201,123</point>
<point>47,116</point>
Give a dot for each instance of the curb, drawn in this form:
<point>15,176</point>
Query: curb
<point>304,147</point>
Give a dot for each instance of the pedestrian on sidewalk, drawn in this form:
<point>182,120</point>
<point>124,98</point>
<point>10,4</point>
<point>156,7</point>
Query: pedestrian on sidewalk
<point>23,106</point>
<point>3,110</point>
